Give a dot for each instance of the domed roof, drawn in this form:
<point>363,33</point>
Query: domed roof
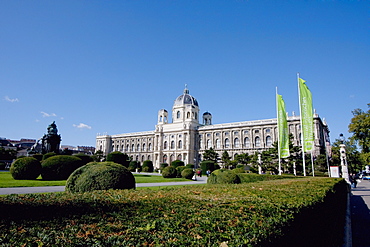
<point>185,99</point>
<point>207,113</point>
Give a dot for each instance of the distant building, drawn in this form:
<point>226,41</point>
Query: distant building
<point>186,139</point>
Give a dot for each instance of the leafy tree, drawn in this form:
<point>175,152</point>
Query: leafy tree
<point>99,155</point>
<point>210,154</point>
<point>243,158</point>
<point>360,127</point>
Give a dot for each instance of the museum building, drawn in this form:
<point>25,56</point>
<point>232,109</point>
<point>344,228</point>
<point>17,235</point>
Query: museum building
<point>186,139</point>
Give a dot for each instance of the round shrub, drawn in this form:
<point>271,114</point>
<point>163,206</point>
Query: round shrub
<point>191,166</point>
<point>25,168</point>
<point>100,176</point>
<point>177,163</point>
<point>169,172</point>
<point>119,158</point>
<point>84,157</point>
<point>59,167</point>
<point>163,165</point>
<point>238,170</point>
<point>223,176</point>
<point>148,166</point>
<point>179,170</point>
<point>187,173</point>
<point>48,155</point>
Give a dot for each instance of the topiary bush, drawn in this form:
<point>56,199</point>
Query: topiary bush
<point>48,155</point>
<point>187,173</point>
<point>148,166</point>
<point>169,172</point>
<point>25,168</point>
<point>84,157</point>
<point>179,170</point>
<point>59,167</point>
<point>177,163</point>
<point>119,158</point>
<point>191,166</point>
<point>223,176</point>
<point>207,165</point>
<point>134,165</point>
<point>100,176</point>
<point>163,165</point>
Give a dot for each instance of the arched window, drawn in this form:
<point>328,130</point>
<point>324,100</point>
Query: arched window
<point>165,158</point>
<point>165,145</point>
<point>247,143</point>
<point>180,144</point>
<point>142,158</point>
<point>257,142</point>
<point>144,147</point>
<point>149,158</point>
<point>218,144</point>
<point>188,115</point>
<point>172,145</point>
<point>179,157</point>
<point>127,148</point>
<point>117,147</point>
<point>123,148</point>
<point>113,148</point>
<point>150,147</point>
<point>138,148</point>
<point>172,158</point>
<point>268,141</point>
<point>209,144</point>
<point>133,148</point>
<point>196,116</point>
<point>178,114</point>
<point>101,147</point>
<point>227,143</point>
<point>236,143</point>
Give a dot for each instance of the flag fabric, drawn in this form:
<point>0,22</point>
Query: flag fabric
<point>305,100</point>
<point>282,127</point>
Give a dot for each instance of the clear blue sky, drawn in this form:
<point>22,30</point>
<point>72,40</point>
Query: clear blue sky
<point>109,66</point>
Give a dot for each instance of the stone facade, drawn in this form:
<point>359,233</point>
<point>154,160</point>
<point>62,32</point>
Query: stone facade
<point>186,139</point>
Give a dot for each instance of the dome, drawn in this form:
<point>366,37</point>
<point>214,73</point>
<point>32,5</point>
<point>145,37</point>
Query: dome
<point>186,99</point>
<point>207,113</point>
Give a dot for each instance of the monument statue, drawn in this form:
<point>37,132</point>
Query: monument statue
<point>51,140</point>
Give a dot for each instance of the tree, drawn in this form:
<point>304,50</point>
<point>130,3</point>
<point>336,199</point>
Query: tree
<point>210,154</point>
<point>119,158</point>
<point>360,127</point>
<point>243,158</point>
<point>225,158</point>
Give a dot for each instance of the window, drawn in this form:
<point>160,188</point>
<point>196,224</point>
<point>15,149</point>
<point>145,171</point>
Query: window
<point>127,148</point>
<point>268,130</point>
<point>144,147</point>
<point>218,144</point>
<point>172,145</point>
<point>133,148</point>
<point>138,147</point>
<point>209,144</point>
<point>180,144</point>
<point>227,143</point>
<point>188,115</point>
<point>165,145</point>
<point>247,143</point>
<point>196,116</point>
<point>165,158</point>
<point>123,148</point>
<point>257,142</point>
<point>256,131</point>
<point>179,157</point>
<point>236,143</point>
<point>268,141</point>
<point>150,147</point>
<point>178,114</point>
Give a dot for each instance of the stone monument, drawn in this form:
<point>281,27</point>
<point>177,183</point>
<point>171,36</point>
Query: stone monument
<point>51,140</point>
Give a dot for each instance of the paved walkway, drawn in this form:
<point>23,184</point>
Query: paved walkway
<point>360,214</point>
<point>28,190</point>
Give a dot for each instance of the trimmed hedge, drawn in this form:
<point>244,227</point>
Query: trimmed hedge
<point>25,168</point>
<point>84,157</point>
<point>223,176</point>
<point>187,173</point>
<point>289,212</point>
<point>59,167</point>
<point>177,163</point>
<point>100,176</point>
<point>169,172</point>
<point>119,158</point>
<point>148,166</point>
<point>207,165</point>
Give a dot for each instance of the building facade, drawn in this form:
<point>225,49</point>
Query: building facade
<point>186,139</point>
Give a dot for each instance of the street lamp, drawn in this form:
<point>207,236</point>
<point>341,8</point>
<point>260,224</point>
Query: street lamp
<point>343,159</point>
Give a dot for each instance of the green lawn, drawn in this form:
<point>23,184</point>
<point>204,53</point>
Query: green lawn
<point>6,180</point>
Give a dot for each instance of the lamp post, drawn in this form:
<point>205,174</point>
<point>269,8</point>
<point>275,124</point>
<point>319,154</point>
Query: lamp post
<point>343,159</point>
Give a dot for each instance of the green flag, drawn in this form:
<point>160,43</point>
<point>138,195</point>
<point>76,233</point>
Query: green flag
<point>305,101</point>
<point>282,127</point>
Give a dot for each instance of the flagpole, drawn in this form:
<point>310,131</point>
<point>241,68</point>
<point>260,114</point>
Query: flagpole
<point>302,137</point>
<point>313,168</point>
<point>278,133</point>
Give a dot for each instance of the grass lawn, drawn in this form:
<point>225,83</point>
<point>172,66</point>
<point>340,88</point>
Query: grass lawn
<point>6,180</point>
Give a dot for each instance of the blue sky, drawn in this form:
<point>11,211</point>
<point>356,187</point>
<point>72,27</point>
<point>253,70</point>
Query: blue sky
<point>109,66</point>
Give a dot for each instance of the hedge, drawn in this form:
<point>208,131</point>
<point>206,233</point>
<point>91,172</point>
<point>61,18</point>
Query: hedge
<point>59,167</point>
<point>289,212</point>
<point>25,168</point>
